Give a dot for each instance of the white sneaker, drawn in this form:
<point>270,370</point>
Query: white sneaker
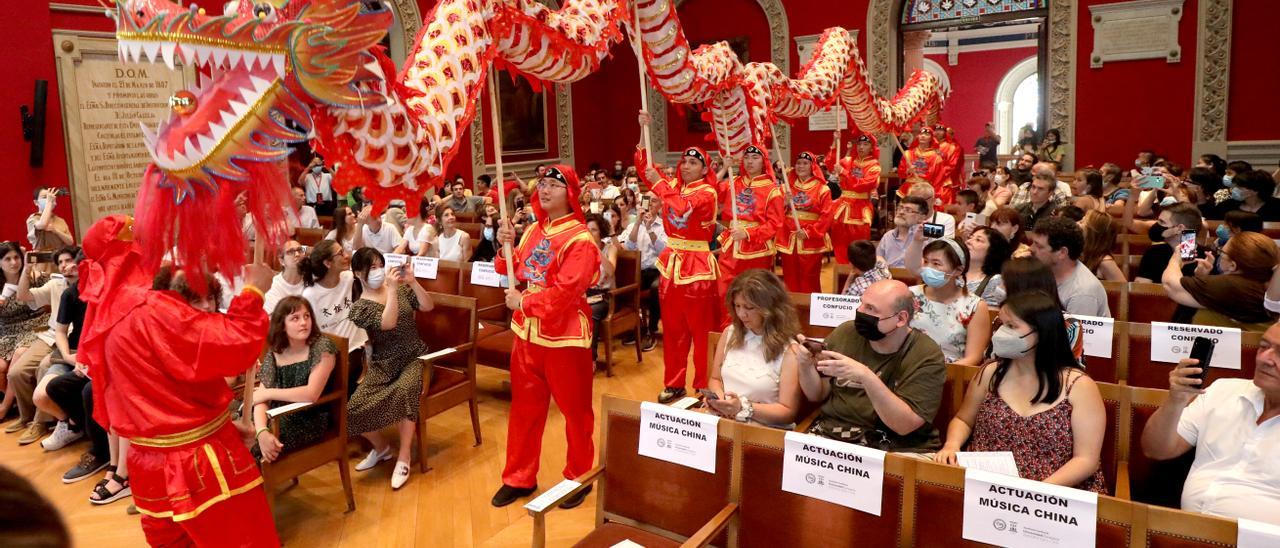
<point>373,459</point>
<point>61,437</point>
<point>400,475</point>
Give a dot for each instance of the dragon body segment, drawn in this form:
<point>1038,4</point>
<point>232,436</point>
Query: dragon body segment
<point>284,71</point>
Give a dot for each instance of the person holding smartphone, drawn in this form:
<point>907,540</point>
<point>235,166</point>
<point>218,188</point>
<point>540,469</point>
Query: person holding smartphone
<point>1232,426</point>
<point>1233,298</point>
<point>907,236</point>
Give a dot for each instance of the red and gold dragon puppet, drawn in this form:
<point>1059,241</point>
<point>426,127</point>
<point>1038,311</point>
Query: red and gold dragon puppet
<point>277,72</point>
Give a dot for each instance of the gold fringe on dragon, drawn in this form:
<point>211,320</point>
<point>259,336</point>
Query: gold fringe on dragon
<point>277,72</point>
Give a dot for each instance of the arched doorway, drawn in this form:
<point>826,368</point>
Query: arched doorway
<point>1017,102</point>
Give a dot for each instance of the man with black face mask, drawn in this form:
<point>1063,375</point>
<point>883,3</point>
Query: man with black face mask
<point>880,381</point>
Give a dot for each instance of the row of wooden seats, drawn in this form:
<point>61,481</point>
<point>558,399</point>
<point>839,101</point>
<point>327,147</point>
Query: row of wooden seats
<point>656,503</point>
<point>453,383</point>
<point>1130,360</point>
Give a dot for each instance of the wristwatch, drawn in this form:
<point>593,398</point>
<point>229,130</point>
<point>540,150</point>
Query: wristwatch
<point>746,412</point>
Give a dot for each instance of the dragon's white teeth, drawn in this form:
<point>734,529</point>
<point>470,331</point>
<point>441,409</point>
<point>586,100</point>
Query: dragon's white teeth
<point>228,118</point>
<point>236,58</point>
<point>147,135</point>
<point>217,130</point>
<point>219,57</point>
<point>135,52</point>
<point>166,51</point>
<point>152,49</point>
<point>259,85</point>
<point>239,108</point>
<point>192,151</point>
<point>278,61</point>
<point>206,144</point>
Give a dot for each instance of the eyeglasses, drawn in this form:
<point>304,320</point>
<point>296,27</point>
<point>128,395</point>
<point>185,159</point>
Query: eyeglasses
<point>295,251</point>
<point>546,185</point>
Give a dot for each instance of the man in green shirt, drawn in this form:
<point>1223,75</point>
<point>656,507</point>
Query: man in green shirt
<point>880,381</point>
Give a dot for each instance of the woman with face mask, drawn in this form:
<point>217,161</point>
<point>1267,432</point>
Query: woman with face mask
<point>393,381</point>
<point>948,313</point>
<point>1233,298</point>
<point>1252,191</point>
<point>487,248</point>
<point>1035,401</point>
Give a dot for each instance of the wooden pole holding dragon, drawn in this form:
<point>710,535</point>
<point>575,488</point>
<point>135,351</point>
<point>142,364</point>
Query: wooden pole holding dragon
<point>786,181</point>
<point>497,159</point>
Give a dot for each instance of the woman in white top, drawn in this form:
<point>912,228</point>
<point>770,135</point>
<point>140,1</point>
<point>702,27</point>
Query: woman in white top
<point>288,283</point>
<point>452,244</point>
<point>597,296</point>
<point>754,376</point>
<point>344,229</point>
<point>419,232</point>
<point>326,273</point>
<point>948,313</point>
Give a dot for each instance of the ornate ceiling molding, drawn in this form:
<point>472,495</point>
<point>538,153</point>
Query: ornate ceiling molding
<point>1213,68</point>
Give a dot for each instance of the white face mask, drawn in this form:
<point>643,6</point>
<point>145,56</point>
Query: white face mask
<point>376,277</point>
<point>1008,344</point>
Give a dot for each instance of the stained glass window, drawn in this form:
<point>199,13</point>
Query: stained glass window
<point>933,11</point>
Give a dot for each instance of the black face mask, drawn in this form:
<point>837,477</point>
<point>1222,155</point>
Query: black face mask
<point>868,326</point>
<point>1156,233</point>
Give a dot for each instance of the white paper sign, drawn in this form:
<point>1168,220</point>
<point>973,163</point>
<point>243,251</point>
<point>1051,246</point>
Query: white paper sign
<point>626,543</point>
<point>999,462</point>
<point>1098,333</point>
<point>551,495</point>
<point>426,267</point>
<point>831,310</point>
<point>1009,511</point>
<point>1256,534</point>
<point>687,438</point>
<point>837,472</point>
<point>1171,342</point>
<point>392,260</point>
<point>484,274</point>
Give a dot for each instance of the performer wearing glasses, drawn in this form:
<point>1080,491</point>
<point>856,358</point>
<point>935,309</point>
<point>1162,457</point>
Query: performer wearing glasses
<point>748,242</point>
<point>802,250</point>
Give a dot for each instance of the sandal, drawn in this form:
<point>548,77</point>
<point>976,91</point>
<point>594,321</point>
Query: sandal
<point>104,493</point>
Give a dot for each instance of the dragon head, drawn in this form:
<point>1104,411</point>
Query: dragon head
<point>262,63</point>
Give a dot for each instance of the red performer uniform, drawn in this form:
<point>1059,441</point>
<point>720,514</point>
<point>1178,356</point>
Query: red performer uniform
<point>923,165</point>
<point>551,358</point>
<point>950,153</point>
<point>159,366</point>
<point>760,207</point>
<point>802,259</point>
<point>859,177</point>
<point>687,290</point>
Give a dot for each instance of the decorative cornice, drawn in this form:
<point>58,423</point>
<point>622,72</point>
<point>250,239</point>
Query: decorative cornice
<point>564,123</point>
<point>882,50</point>
<point>410,20</point>
<point>1213,66</point>
<point>1062,70</point>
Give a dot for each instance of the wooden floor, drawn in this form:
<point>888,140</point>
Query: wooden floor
<point>447,506</point>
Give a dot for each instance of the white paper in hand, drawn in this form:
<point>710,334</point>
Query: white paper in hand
<point>999,462</point>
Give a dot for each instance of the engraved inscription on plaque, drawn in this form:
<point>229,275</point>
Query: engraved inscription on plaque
<point>1142,29</point>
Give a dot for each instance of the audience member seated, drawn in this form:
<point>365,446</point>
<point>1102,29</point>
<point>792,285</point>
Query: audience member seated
<point>1234,223</point>
<point>295,368</point>
<point>967,206</point>
<point>389,392</point>
<point>459,201</point>
<point>46,357</point>
<point>1233,298</point>
<point>1232,426</point>
<point>1040,203</point>
<point>302,215</point>
<point>327,276</point>
<point>1198,189</point>
<point>1028,275</point>
<point>1008,222</point>
<point>1021,173</point>
<point>754,373</point>
<point>1099,237</point>
<point>1059,192</point>
<point>372,231</point>
<point>18,322</point>
<point>598,295</point>
<point>1070,213</point>
<point>907,236</point>
<point>487,248</point>
<point>934,216</point>
<point>988,251</point>
<point>46,231</point>
<point>865,268</point>
<point>1003,187</point>
<point>1165,235</point>
<point>1086,190</point>
<point>288,282</point>
<point>946,311</point>
<point>1252,191</point>
<point>344,228</point>
<point>1114,194</point>
<point>1229,173</point>
<point>1035,402</point>
<point>451,244</point>
<point>863,359</point>
<point>1057,242</point>
<point>418,231</point>
<point>647,235</point>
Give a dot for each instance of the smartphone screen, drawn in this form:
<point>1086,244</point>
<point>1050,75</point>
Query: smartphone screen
<point>1202,349</point>
<point>1187,245</point>
<point>933,230</point>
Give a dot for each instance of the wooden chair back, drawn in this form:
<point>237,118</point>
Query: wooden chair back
<point>1114,400</point>
<point>1117,299</point>
<point>905,276</point>
<point>491,302</point>
<point>448,279</point>
<point>1134,244</point>
<point>656,495</point>
<point>331,447</point>
<point>309,236</point>
<point>1169,528</point>
<point>453,375</point>
<point>801,303</point>
<point>1148,374</point>
<point>1271,230</point>
<point>1149,303</point>
<point>1151,481</point>
<point>839,275</point>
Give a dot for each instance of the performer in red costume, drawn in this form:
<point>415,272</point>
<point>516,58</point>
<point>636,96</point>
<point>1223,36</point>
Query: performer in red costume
<point>958,182</point>
<point>551,358</point>
<point>760,209</point>
<point>687,270</point>
<point>159,359</point>
<point>802,250</point>
<point>923,163</point>
<point>859,176</point>
<point>950,153</point>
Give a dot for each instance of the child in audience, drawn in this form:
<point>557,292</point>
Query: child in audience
<point>866,268</point>
<point>1009,223</point>
<point>1035,401</point>
<point>295,368</point>
<point>390,391</point>
<point>754,375</point>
